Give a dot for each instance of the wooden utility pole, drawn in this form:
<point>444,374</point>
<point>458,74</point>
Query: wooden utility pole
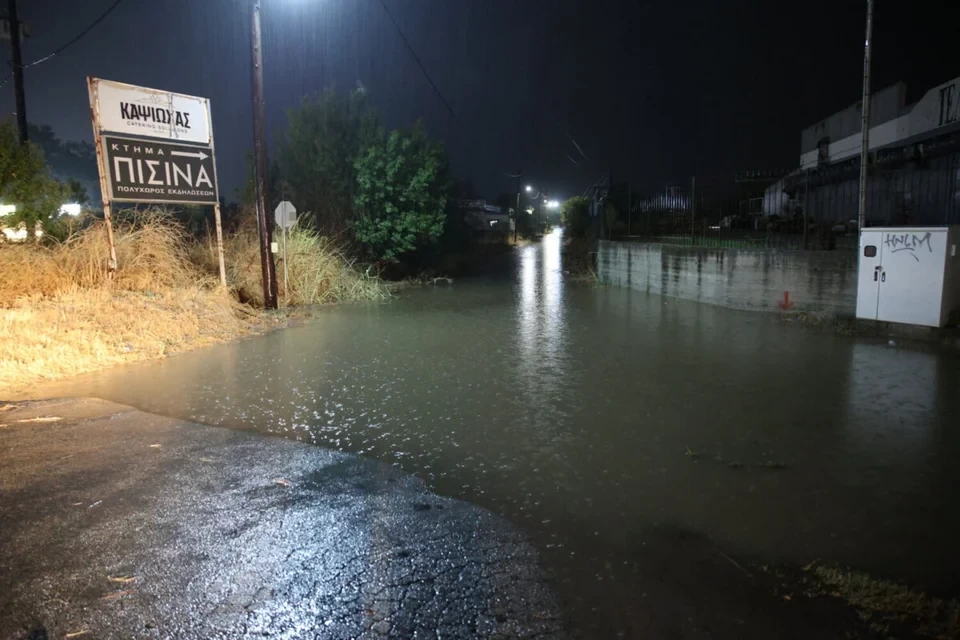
<point>260,161</point>
<point>17,63</point>
<point>865,120</point>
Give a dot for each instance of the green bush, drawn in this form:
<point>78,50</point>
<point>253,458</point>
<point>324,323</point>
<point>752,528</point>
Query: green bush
<point>575,216</point>
<point>318,152</point>
<point>401,194</point>
<point>25,181</point>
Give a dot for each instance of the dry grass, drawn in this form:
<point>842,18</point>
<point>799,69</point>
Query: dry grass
<point>578,260</point>
<point>886,603</point>
<point>61,313</point>
<point>152,251</point>
<point>83,330</point>
<point>317,271</point>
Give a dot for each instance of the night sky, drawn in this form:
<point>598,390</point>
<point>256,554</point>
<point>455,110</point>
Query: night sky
<point>651,91</point>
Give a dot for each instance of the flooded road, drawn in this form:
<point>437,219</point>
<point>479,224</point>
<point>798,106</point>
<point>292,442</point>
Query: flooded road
<point>608,423</point>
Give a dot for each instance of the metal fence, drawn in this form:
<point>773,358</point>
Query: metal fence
<point>814,209</point>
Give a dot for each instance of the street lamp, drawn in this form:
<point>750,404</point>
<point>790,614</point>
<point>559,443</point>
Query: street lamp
<point>539,199</point>
<point>260,160</point>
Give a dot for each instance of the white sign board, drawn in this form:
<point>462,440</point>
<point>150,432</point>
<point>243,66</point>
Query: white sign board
<point>285,214</point>
<point>139,111</point>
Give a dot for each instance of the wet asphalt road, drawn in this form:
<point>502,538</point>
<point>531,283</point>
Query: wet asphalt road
<point>121,524</point>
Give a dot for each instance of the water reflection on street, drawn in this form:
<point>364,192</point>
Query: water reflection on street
<point>591,416</point>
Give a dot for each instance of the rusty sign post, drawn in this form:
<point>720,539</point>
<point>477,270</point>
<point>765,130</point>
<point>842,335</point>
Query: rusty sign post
<point>155,147</point>
<point>94,116</point>
<point>216,208</point>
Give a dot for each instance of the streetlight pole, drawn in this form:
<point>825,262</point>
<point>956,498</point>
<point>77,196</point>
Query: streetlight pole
<point>260,161</point>
<point>516,212</point>
<point>542,204</point>
<point>865,121</point>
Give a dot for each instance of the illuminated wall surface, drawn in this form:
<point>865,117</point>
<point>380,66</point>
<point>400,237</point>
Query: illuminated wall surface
<point>755,279</point>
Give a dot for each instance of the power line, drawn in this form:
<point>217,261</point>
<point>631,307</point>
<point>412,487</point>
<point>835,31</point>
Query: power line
<point>420,64</point>
<point>578,148</point>
<point>77,37</point>
<point>437,90</point>
<point>66,44</point>
<point>440,95</point>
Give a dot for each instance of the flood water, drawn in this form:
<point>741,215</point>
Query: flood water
<point>597,419</point>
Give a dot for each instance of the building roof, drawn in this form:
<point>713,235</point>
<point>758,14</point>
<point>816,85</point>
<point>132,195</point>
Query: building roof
<point>892,123</point>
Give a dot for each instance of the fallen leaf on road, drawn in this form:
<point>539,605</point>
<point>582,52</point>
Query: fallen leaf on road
<point>118,594</point>
<point>155,446</point>
<point>282,482</point>
<point>42,419</point>
<point>122,579</point>
<point>77,634</point>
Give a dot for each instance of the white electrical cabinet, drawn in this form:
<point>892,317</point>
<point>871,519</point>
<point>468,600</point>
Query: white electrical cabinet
<point>909,274</point>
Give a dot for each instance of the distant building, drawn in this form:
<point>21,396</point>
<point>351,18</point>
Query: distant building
<point>914,162</point>
<point>486,218</point>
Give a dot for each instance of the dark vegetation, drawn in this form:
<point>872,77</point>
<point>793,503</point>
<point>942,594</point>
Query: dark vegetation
<point>382,198</point>
<point>386,197</point>
<point>579,242</point>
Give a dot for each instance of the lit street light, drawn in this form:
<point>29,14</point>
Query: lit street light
<point>539,199</point>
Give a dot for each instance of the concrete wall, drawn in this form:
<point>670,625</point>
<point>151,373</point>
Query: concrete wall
<point>755,279</point>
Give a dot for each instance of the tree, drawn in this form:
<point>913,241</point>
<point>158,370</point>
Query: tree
<point>274,186</point>
<point>401,197</point>
<point>25,181</point>
<point>72,162</point>
<point>575,216</point>
<point>76,192</point>
<point>67,159</point>
<point>319,150</point>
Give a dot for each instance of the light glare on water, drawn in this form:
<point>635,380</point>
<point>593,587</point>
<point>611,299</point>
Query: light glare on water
<point>591,416</point>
